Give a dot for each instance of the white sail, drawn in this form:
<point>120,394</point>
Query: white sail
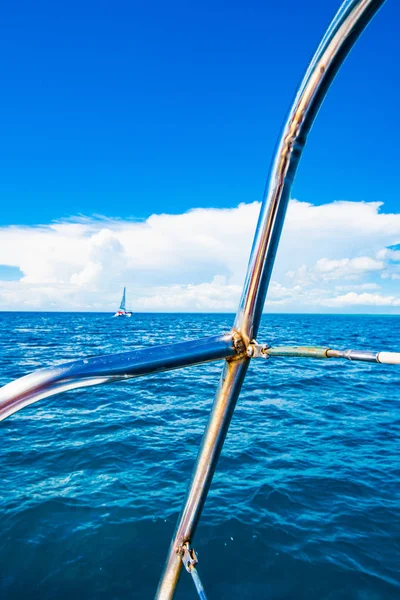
<point>122,312</point>
<point>122,306</point>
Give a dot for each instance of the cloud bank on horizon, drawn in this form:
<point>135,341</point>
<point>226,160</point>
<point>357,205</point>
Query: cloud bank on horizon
<point>340,257</point>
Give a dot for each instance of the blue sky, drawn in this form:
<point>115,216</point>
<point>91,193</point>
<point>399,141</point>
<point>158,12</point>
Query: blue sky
<point>130,109</point>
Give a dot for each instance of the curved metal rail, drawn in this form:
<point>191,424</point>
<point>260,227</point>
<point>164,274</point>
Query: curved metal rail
<point>113,367</point>
<point>238,346</point>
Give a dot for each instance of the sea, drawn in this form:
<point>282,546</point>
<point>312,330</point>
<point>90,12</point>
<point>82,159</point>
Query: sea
<point>305,503</point>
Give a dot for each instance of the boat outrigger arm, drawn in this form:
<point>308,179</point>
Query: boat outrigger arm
<point>117,367</point>
<point>237,347</point>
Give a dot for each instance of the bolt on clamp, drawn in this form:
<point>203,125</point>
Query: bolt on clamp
<point>188,556</point>
<point>255,350</point>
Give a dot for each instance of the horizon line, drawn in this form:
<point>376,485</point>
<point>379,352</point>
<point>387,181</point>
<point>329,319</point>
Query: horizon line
<point>106,312</point>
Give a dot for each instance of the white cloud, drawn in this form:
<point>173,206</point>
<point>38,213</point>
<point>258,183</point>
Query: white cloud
<point>197,260</point>
<point>365,299</point>
<point>347,268</point>
<point>217,294</point>
<point>357,287</point>
<point>389,254</point>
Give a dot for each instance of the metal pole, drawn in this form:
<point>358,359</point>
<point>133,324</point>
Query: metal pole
<point>352,18</point>
<point>214,437</point>
<point>255,350</point>
<point>110,368</point>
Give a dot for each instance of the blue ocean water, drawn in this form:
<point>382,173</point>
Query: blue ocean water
<point>306,500</point>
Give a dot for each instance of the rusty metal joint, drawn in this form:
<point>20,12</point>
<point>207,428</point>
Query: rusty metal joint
<point>189,559</point>
<point>255,350</point>
<point>239,345</point>
<point>188,556</point>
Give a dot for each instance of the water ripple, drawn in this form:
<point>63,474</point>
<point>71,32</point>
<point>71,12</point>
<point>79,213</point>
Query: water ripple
<point>306,499</point>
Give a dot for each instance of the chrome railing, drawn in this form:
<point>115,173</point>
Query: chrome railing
<point>238,346</point>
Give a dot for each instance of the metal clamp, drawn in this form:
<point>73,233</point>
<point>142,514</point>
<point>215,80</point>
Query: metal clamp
<point>255,350</point>
<point>189,559</point>
<point>188,556</point>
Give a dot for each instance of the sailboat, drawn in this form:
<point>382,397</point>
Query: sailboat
<point>122,312</point>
